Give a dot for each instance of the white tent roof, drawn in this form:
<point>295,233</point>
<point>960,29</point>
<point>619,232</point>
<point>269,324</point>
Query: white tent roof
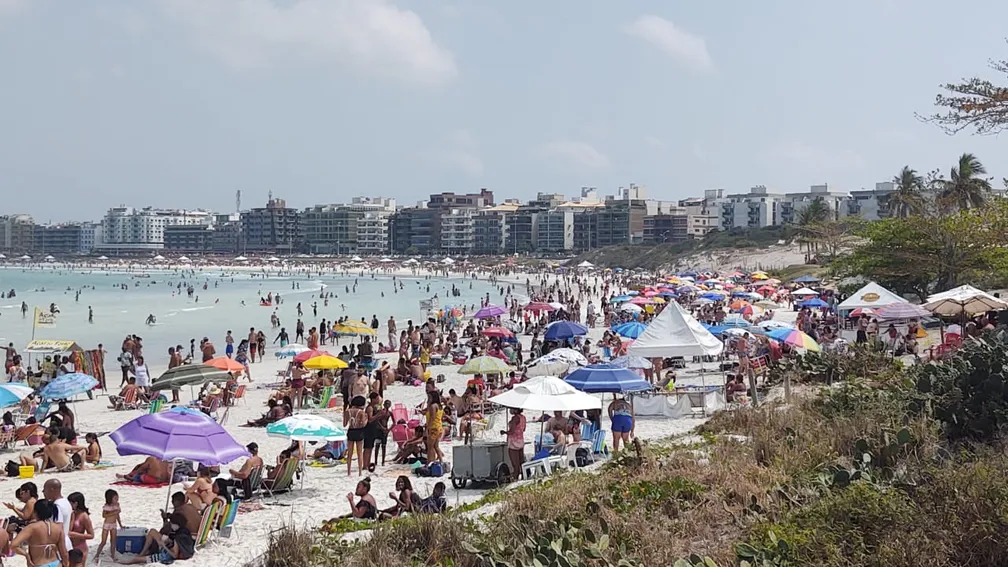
<point>3,256</point>
<point>385,260</point>
<point>804,291</point>
<point>103,257</point>
<point>674,332</point>
<point>871,295</point>
<point>240,259</point>
<point>26,257</point>
<point>356,259</point>
<point>447,261</point>
<point>586,264</point>
<point>49,258</point>
<point>274,259</point>
<point>159,257</point>
<point>963,299</point>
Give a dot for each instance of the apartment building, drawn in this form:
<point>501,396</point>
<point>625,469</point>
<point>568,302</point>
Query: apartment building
<point>457,234</point>
<point>60,239</point>
<point>17,233</point>
<point>555,230</point>
<point>491,229</point>
<point>871,204</point>
<point>274,228</point>
<point>130,229</point>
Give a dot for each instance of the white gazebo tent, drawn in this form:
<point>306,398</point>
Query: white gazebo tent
<point>674,332</point>
<point>871,295</point>
<point>448,261</point>
<point>356,259</point>
<point>586,265</point>
<point>963,300</point>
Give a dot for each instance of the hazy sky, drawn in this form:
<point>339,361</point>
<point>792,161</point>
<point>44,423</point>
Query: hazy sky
<point>181,102</point>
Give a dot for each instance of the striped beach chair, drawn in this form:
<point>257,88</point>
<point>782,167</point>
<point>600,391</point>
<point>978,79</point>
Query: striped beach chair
<point>207,523</point>
<point>227,518</point>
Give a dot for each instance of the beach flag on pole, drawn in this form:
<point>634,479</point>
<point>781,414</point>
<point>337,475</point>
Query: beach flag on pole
<point>43,319</point>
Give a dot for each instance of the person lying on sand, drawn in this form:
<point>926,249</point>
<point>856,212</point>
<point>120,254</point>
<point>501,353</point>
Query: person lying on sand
<point>151,471</point>
<point>276,413</point>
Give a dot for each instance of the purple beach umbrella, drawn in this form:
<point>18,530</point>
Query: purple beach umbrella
<point>171,435</point>
<point>490,311</point>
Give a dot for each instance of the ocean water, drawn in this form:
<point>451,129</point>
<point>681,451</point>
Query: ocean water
<point>211,312</point>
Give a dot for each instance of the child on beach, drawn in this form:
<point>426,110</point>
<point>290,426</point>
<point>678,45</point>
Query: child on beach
<point>110,522</point>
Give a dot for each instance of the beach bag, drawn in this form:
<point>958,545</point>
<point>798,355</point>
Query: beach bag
<point>436,468</point>
<point>581,457</point>
<point>13,469</point>
<point>422,471</point>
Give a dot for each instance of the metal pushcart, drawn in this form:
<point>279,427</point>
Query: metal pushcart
<point>480,462</point>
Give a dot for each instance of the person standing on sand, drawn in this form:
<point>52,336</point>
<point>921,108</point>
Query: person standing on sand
<point>253,344</point>
<point>392,333</point>
<point>228,344</point>
<point>207,348</point>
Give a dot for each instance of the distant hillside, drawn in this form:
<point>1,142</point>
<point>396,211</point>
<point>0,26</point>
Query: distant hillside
<point>713,250</point>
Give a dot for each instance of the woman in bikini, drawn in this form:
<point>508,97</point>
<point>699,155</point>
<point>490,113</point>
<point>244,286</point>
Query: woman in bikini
<point>81,530</point>
<point>94,453</point>
<point>355,421</point>
<point>46,545</point>
<point>200,493</point>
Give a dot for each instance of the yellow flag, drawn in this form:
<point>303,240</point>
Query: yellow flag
<point>44,319</point>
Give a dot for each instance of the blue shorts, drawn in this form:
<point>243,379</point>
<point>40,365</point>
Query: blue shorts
<point>622,423</point>
<point>229,349</point>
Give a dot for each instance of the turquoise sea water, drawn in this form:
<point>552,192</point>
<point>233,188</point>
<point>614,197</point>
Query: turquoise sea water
<point>118,312</point>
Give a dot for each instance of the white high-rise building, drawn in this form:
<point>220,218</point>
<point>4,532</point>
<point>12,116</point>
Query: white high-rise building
<point>129,228</point>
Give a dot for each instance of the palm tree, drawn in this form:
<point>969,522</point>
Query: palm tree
<point>965,189</point>
<point>907,199</point>
<point>807,218</point>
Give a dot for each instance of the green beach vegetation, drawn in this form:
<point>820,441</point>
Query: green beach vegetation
<point>887,466</point>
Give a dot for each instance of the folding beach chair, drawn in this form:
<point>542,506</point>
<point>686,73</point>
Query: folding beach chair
<point>251,485</point>
<point>207,523</point>
<point>227,518</point>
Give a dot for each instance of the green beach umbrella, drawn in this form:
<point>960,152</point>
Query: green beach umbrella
<point>484,365</point>
<point>188,375</point>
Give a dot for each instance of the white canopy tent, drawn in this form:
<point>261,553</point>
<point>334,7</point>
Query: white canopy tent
<point>804,291</point>
<point>547,393</point>
<point>674,332</point>
<point>586,265</point>
<point>871,295</point>
<point>356,259</point>
<point>964,299</point>
<point>183,259</point>
<point>448,261</point>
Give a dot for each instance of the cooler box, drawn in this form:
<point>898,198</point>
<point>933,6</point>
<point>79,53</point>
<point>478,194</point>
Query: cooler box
<point>130,540</point>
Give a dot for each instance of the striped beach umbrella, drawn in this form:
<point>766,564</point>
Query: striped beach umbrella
<point>188,375</point>
<point>68,386</point>
<point>13,393</point>
<point>795,338</point>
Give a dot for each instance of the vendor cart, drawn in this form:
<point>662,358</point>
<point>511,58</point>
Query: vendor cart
<point>480,462</point>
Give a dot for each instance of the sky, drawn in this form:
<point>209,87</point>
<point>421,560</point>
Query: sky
<point>180,103</point>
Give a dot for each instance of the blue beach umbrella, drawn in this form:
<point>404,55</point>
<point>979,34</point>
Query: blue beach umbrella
<point>606,378</point>
<point>620,299</point>
<point>13,393</point>
<point>560,330</point>
<point>630,330</point>
<point>815,302</point>
<point>68,385</point>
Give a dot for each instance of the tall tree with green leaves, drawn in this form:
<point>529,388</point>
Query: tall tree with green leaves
<point>975,103</point>
<point>808,217</point>
<point>907,199</point>
<point>966,188</point>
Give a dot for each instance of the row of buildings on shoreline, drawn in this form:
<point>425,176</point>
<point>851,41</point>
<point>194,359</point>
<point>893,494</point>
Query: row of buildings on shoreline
<point>446,223</point>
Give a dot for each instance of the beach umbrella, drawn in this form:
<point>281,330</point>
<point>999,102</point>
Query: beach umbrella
<point>225,363</point>
<point>13,393</point>
<point>292,349</point>
<point>190,411</point>
<point>632,361</point>
<point>547,393</point>
<point>559,330</point>
<point>963,300</point>
<point>631,330</point>
<point>170,435</point>
<point>641,300</point>
<point>713,296</point>
<point>484,365</point>
<point>306,427</point>
<point>814,302</point>
<point>620,299</point>
<point>68,385</point>
<point>499,332</point>
<point>795,338</point>
<point>539,307</point>
<point>863,311</point>
<point>490,311</point>
<point>748,311</point>
<point>767,304</point>
<point>606,378</point>
<point>773,325</point>
<point>738,304</point>
<point>902,311</point>
<point>189,375</point>
<point>308,354</point>
<point>352,328</point>
<point>567,356</point>
<point>631,308</point>
<point>324,362</point>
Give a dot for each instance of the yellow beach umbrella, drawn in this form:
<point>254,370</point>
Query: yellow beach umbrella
<point>353,328</point>
<point>324,362</point>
